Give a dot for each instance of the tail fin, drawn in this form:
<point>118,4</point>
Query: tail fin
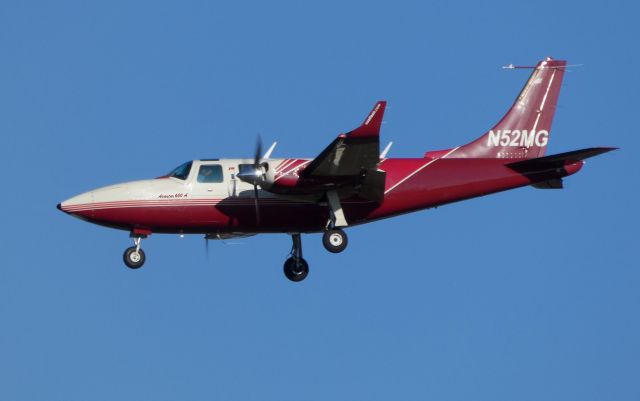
<point>523,132</point>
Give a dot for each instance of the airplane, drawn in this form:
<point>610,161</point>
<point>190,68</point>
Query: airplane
<point>349,183</point>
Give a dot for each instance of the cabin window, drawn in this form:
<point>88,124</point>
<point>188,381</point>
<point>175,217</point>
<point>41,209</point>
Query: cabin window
<point>210,173</point>
<point>182,171</point>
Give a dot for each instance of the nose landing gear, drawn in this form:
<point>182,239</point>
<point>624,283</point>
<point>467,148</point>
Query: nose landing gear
<point>296,268</point>
<point>134,256</point>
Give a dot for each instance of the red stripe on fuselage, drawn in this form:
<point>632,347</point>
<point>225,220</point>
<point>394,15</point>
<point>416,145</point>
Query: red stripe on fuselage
<point>291,168</point>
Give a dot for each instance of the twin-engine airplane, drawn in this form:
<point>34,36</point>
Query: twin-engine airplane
<point>348,183</point>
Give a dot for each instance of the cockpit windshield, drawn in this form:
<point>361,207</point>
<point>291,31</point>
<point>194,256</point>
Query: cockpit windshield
<point>181,172</point>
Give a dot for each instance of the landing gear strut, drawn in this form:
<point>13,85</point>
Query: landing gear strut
<point>334,239</point>
<point>134,256</point>
<point>296,268</point>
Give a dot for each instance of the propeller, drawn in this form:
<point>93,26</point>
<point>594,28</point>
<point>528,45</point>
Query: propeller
<point>258,171</point>
<point>256,175</point>
<point>206,245</point>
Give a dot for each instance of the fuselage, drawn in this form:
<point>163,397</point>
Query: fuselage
<point>220,203</point>
<point>348,183</point>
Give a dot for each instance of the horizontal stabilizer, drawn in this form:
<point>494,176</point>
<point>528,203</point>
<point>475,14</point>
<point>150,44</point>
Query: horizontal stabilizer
<point>556,161</point>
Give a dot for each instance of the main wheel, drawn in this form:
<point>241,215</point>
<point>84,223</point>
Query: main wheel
<point>296,271</point>
<point>335,240</point>
<point>134,259</point>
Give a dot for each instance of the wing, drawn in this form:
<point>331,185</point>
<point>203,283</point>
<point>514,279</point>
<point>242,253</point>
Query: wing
<point>352,153</point>
<point>349,165</point>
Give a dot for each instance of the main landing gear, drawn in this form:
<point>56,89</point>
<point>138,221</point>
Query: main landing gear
<point>296,268</point>
<point>335,240</point>
<point>134,256</point>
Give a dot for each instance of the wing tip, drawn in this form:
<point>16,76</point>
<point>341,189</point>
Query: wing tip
<point>373,122</point>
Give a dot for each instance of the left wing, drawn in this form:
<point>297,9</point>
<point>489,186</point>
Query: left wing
<point>350,162</point>
<point>348,166</point>
<point>352,153</point>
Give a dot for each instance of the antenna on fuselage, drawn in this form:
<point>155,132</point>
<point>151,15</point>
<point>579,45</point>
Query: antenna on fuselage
<point>517,67</point>
<point>267,154</point>
<point>531,67</point>
<point>386,150</point>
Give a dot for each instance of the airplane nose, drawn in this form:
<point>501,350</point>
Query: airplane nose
<point>85,205</point>
<point>79,206</point>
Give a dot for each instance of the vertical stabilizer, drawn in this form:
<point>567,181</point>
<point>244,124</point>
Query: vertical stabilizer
<point>523,133</point>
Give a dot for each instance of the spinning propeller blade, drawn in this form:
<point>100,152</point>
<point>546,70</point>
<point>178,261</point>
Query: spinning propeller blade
<point>256,157</point>
<point>206,246</point>
<point>257,175</point>
<point>255,200</point>
<point>258,170</point>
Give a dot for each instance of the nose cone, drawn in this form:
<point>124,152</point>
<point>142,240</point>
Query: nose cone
<point>110,205</point>
<point>122,205</point>
<point>79,206</point>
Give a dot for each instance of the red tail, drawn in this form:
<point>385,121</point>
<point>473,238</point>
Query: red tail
<point>523,133</point>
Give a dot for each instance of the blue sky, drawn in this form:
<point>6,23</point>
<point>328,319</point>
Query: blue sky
<point>529,294</point>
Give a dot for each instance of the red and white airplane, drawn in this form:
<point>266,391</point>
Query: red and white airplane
<point>350,182</point>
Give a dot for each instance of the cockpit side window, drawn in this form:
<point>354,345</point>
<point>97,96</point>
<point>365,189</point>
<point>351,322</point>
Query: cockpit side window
<point>210,173</point>
<point>182,171</point>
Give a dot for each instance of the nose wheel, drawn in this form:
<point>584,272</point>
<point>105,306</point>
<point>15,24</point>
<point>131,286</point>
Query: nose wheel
<point>296,268</point>
<point>134,256</point>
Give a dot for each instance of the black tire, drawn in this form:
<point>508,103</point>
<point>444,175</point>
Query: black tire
<point>133,259</point>
<point>296,271</point>
<point>335,240</point>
